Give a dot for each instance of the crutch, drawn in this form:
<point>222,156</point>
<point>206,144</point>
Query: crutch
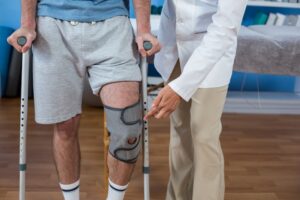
<point>146,168</point>
<point>23,117</point>
<point>146,165</point>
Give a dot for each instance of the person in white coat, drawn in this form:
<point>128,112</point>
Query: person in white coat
<point>199,40</point>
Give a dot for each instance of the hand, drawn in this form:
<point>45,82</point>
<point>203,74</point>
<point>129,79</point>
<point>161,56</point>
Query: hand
<point>140,38</point>
<point>30,35</point>
<point>164,104</point>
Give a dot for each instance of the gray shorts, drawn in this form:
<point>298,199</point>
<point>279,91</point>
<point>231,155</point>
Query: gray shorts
<point>65,51</point>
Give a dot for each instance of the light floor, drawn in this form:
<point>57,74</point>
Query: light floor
<point>262,155</point>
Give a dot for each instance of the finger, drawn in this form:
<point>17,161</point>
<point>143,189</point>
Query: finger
<point>25,49</point>
<point>151,113</point>
<point>16,45</point>
<point>154,50</point>
<point>27,46</point>
<point>140,43</point>
<point>169,112</point>
<point>157,100</point>
<point>160,114</point>
<point>30,37</point>
<point>155,46</point>
<point>166,115</point>
<point>11,40</point>
<point>165,110</point>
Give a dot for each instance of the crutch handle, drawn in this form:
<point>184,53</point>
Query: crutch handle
<point>21,40</point>
<point>147,45</point>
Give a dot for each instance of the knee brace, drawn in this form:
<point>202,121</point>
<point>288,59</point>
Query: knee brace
<point>125,127</point>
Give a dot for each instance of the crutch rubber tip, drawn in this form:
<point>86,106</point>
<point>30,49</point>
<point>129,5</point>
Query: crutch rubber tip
<point>22,40</point>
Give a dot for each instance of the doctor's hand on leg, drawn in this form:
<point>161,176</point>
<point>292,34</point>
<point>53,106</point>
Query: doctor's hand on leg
<point>164,104</point>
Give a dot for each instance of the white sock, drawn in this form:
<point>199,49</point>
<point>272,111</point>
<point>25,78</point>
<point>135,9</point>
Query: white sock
<point>70,191</point>
<point>116,192</point>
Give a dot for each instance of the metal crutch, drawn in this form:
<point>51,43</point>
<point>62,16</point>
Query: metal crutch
<point>146,165</point>
<point>23,117</point>
<point>146,168</point>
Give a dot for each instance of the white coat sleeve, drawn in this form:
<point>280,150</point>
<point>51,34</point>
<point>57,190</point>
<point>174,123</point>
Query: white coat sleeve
<point>221,35</point>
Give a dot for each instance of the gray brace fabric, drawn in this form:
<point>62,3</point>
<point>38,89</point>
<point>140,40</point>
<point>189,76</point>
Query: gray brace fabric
<point>124,125</point>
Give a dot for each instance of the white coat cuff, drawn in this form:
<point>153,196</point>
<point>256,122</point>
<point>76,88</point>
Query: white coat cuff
<point>185,93</point>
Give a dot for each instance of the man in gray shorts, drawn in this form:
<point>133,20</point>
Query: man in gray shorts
<point>75,37</point>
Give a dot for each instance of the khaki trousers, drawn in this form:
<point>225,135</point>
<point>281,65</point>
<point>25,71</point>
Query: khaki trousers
<point>195,154</point>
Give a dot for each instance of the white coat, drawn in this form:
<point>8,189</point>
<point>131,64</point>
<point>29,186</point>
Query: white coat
<point>202,34</point>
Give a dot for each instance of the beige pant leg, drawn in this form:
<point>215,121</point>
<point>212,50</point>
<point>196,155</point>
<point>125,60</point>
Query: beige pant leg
<point>206,110</point>
<point>180,155</point>
<point>180,152</point>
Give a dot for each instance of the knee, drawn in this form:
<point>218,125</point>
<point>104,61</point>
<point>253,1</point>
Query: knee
<point>125,127</point>
<point>67,130</point>
<point>120,94</point>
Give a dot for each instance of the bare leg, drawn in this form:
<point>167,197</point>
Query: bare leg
<point>119,172</point>
<point>66,150</point>
<point>120,95</point>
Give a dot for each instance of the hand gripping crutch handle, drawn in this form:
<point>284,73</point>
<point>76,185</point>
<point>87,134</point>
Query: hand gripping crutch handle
<point>23,117</point>
<point>146,165</point>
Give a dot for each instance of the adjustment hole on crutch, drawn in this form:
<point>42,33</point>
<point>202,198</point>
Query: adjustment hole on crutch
<point>22,118</point>
<point>23,99</point>
<point>22,112</point>
<point>22,106</point>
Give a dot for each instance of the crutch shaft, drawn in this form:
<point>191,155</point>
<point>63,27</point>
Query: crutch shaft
<point>145,105</point>
<point>146,165</point>
<point>23,118</point>
<point>24,107</point>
